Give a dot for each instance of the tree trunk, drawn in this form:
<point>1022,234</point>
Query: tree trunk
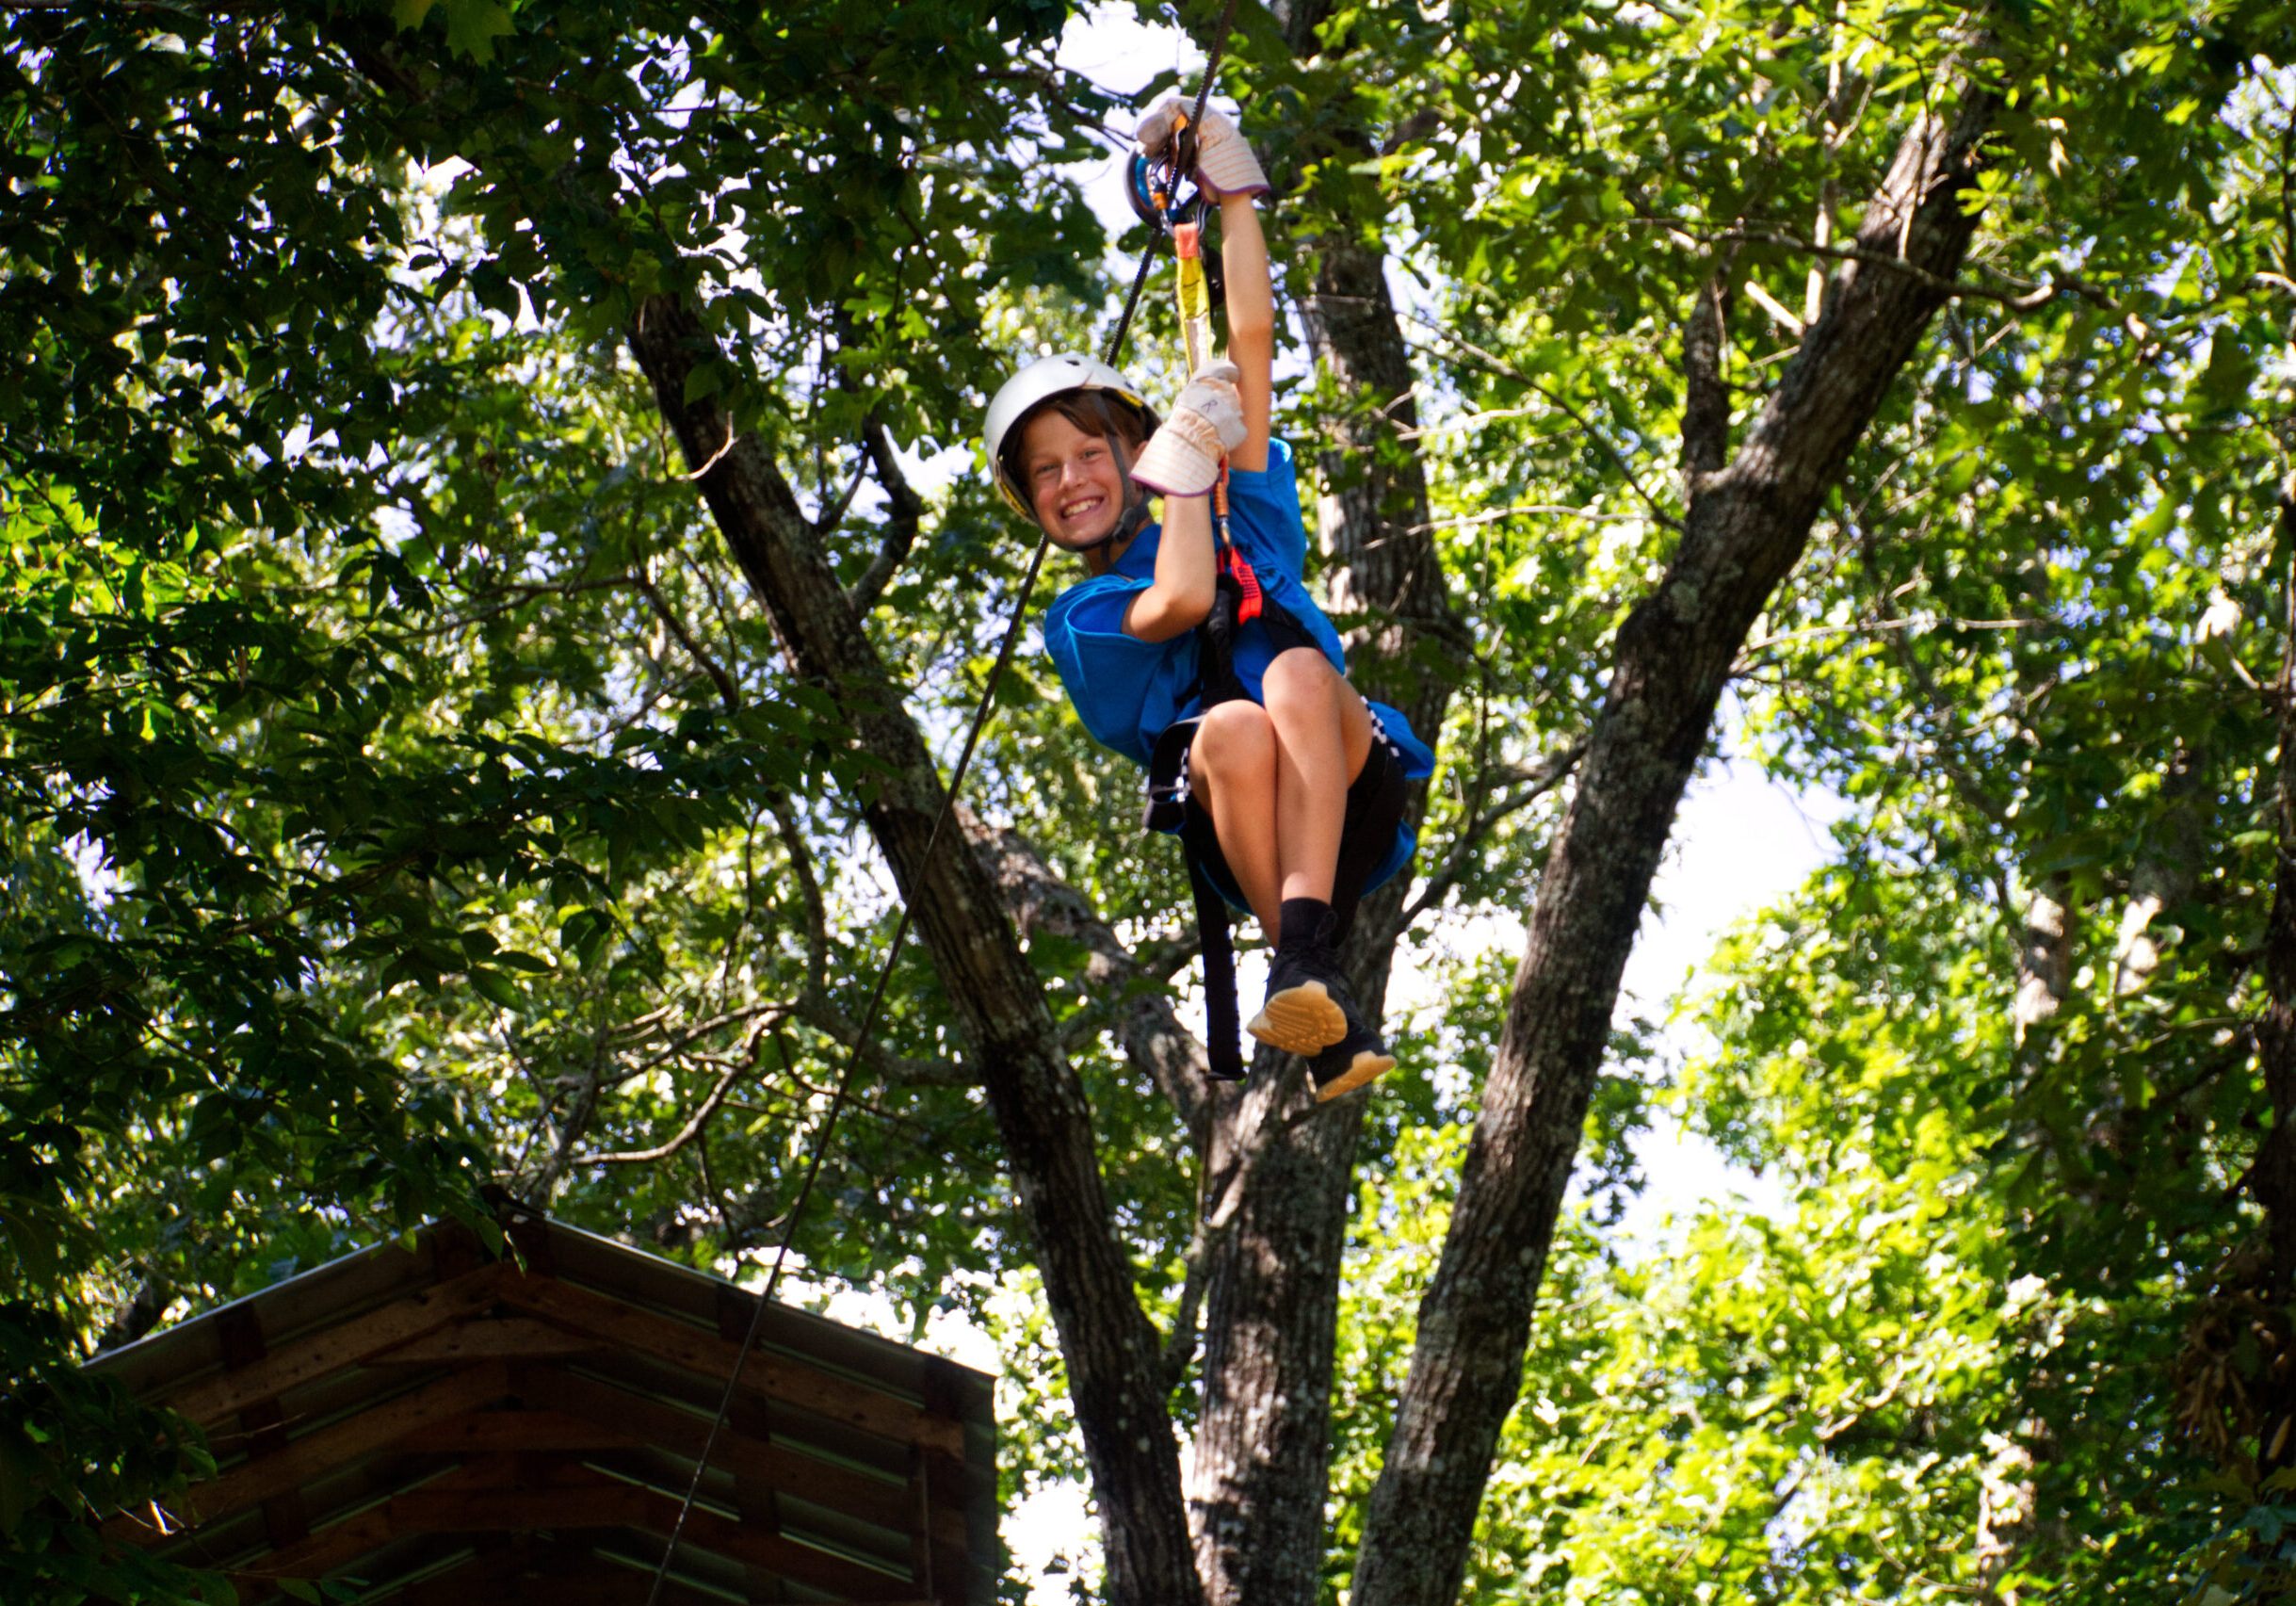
<point>1280,1170</point>
<point>2045,956</point>
<point>2166,873</point>
<point>1279,1187</point>
<point>1746,526</point>
<point>1113,1357</point>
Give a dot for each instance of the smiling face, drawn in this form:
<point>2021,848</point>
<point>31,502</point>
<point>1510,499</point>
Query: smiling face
<point>1073,479</point>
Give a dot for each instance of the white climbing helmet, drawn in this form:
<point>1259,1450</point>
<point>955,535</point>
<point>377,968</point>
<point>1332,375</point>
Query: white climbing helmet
<point>1038,384</point>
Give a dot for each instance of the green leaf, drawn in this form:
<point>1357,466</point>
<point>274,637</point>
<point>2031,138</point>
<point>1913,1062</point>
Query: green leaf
<point>19,1480</point>
<point>474,25</point>
<point>498,988</point>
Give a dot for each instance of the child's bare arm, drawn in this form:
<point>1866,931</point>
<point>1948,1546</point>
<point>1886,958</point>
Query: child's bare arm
<point>1243,258</point>
<point>1185,574</point>
<point>1228,169</point>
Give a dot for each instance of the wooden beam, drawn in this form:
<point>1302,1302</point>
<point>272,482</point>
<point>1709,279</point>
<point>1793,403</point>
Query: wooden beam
<point>707,1531</point>
<point>772,1376</point>
<point>579,1499</point>
<point>335,1347</point>
<point>612,1589</point>
<point>488,1338</point>
<point>239,1335</point>
<point>307,1458</point>
<point>606,1584</point>
<point>505,1510</point>
<point>681,1433</point>
<point>324,1551</point>
<point>495,1431</point>
<point>332,1548</point>
<point>937,1563</point>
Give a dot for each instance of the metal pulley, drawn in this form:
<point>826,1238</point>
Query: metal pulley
<point>1154,190</point>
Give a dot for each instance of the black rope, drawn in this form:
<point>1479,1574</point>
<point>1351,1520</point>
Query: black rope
<point>900,928</point>
<point>845,1083</point>
<point>1211,70</point>
<point>1132,302</point>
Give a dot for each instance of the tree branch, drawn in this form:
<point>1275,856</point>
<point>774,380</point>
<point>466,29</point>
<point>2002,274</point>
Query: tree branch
<point>906,509</point>
<point>1042,1117</point>
<point>1499,366</point>
<point>815,1011</point>
<point>1546,776</point>
<point>2029,299</point>
<point>1745,528</point>
<point>1706,406</point>
<point>809,893</point>
<point>701,1118</point>
<point>1150,1033</point>
<point>727,691</point>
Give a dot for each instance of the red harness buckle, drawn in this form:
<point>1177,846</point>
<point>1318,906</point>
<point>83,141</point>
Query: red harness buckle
<point>1246,582</point>
<point>1232,561</point>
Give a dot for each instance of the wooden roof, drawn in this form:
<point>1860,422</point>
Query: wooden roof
<point>440,1428</point>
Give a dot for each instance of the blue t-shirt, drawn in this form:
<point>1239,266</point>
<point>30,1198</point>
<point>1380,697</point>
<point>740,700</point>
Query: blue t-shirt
<point>1128,690</point>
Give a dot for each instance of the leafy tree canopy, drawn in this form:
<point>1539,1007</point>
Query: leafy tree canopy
<point>402,793</point>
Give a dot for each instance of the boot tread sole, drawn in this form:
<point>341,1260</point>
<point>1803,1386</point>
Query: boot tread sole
<point>1305,1019</point>
<point>1368,1067</point>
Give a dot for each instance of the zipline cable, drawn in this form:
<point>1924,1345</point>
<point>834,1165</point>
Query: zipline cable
<point>900,928</point>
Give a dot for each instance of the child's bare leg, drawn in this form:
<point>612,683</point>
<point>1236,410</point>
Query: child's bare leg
<point>1232,772</point>
<point>1322,735</point>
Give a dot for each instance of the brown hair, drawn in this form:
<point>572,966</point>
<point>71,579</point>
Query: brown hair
<point>1092,412</point>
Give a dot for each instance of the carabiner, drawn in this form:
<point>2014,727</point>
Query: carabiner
<point>1153,190</point>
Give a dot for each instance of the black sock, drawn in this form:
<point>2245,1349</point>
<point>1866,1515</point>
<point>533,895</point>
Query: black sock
<point>1303,921</point>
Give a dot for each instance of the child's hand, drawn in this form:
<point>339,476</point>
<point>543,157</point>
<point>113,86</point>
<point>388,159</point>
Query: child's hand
<point>1225,164</point>
<point>1207,423</point>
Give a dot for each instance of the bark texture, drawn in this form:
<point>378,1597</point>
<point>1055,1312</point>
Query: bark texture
<point>2045,956</point>
<point>1156,1044</point>
<point>1279,1168</point>
<point>2164,876</point>
<point>1041,1114</point>
<point>1385,571</point>
<point>1278,1184</point>
<point>1746,526</point>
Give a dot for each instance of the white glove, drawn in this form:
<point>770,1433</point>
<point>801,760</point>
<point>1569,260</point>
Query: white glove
<point>1207,423</point>
<point>1225,164</point>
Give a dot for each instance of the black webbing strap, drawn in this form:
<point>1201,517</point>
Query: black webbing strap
<point>1218,683</point>
<point>1170,811</point>
<point>1216,663</point>
<point>1221,1027</point>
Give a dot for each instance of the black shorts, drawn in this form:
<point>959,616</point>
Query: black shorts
<point>1375,812</point>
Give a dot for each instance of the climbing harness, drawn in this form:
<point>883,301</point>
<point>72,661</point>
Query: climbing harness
<point>900,930</point>
<point>1375,802</point>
